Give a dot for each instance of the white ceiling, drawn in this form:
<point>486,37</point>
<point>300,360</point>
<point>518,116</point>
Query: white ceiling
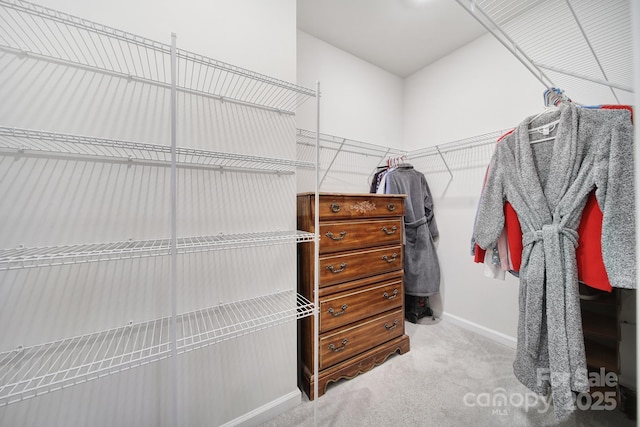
<point>400,36</point>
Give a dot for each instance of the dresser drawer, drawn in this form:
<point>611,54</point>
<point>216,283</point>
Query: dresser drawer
<point>347,307</point>
<point>343,267</point>
<point>344,236</point>
<point>360,206</point>
<point>350,341</point>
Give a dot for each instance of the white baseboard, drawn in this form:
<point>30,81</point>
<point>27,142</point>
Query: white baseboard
<point>266,412</point>
<point>503,339</point>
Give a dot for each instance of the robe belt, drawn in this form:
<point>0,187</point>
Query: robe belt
<point>552,248</point>
<point>538,235</point>
<point>417,223</point>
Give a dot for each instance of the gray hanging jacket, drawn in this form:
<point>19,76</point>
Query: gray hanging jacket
<point>421,266</point>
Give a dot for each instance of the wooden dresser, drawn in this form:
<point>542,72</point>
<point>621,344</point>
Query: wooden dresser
<point>361,290</point>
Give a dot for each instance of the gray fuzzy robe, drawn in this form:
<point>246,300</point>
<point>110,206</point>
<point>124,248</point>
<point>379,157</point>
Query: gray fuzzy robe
<point>548,183</point>
<point>421,266</point>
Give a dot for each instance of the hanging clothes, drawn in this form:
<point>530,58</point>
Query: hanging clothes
<point>591,269</point>
<point>548,183</point>
<point>383,186</point>
<point>421,266</point>
<point>377,176</point>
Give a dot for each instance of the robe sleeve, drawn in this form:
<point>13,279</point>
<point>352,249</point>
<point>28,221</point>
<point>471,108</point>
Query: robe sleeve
<point>615,193</point>
<point>490,215</point>
<point>428,210</point>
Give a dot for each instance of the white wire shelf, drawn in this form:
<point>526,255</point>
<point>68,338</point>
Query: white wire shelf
<point>341,155</point>
<point>17,140</point>
<point>33,371</point>
<point>574,45</point>
<point>330,142</point>
<point>209,326</point>
<point>463,144</point>
<point>30,30</point>
<point>11,259</point>
<point>202,75</point>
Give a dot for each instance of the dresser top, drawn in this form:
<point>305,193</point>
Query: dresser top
<point>352,194</point>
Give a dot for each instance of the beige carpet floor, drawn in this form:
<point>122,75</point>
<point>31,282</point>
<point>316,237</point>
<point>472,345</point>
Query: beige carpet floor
<point>449,378</point>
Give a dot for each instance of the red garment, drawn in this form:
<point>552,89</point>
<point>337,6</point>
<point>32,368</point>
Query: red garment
<point>591,269</point>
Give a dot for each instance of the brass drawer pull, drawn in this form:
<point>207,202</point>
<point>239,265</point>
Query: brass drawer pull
<point>395,324</point>
<point>333,348</point>
<point>332,269</point>
<point>387,232</point>
<point>338,313</point>
<point>395,294</point>
<point>335,208</point>
<point>391,206</point>
<point>332,237</point>
<point>393,257</point>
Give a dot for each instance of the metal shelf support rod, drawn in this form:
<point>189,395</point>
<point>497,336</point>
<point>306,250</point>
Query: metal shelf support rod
<point>316,262</point>
<point>580,76</point>
<point>174,240</point>
<point>335,156</point>
<point>593,52</point>
<point>446,165</point>
<point>498,33</point>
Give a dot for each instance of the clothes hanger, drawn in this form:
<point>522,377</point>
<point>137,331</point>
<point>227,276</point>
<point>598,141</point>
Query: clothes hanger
<point>552,98</point>
<point>551,138</point>
<point>546,128</point>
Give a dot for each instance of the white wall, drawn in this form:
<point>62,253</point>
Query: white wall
<point>479,88</point>
<point>69,200</point>
<point>359,100</point>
